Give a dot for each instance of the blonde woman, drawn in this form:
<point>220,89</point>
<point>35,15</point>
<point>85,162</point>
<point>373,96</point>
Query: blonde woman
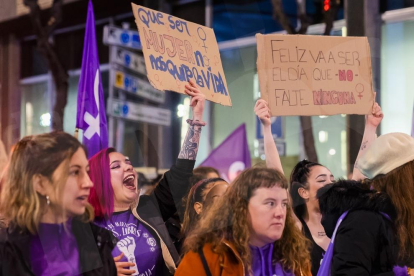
<point>248,231</point>
<point>45,200</point>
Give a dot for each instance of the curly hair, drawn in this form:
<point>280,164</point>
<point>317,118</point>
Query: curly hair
<point>228,220</point>
<point>399,185</point>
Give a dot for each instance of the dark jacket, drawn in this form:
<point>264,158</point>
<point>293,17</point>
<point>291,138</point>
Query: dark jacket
<point>155,209</point>
<point>95,245</point>
<point>365,242</point>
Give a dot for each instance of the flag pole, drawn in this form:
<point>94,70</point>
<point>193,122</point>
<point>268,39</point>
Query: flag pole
<point>76,134</point>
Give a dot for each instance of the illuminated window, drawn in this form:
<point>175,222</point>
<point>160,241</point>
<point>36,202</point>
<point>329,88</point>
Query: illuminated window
<point>323,136</point>
<point>183,111</point>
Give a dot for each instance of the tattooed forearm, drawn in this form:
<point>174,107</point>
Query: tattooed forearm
<point>189,148</point>
<point>364,145</point>
<point>321,234</point>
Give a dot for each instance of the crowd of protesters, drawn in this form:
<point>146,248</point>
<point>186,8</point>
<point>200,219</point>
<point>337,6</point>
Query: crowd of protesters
<point>62,214</point>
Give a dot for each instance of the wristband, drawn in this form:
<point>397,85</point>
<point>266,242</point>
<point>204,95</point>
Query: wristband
<point>195,122</point>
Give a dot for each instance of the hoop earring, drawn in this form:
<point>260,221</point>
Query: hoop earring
<point>47,200</point>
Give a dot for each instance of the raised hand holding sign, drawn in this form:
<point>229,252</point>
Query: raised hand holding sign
<point>315,75</point>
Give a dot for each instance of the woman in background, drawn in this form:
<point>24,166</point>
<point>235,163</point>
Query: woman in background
<point>201,196</point>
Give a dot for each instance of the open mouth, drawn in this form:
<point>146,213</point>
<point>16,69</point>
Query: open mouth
<point>129,182</point>
<point>82,198</point>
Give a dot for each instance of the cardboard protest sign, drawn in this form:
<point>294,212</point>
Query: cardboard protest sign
<point>176,50</point>
<point>315,75</point>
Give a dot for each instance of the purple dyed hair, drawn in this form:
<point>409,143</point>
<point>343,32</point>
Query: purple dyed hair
<point>101,196</point>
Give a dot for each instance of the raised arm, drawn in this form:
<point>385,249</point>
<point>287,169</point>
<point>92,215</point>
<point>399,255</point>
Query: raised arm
<point>174,184</point>
<point>371,123</point>
<point>189,148</point>
<point>272,155</point>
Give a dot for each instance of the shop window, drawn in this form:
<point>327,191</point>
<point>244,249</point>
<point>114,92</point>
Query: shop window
<point>35,109</point>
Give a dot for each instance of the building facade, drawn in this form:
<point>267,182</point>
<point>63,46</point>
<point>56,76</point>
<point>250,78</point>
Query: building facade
<point>27,90</point>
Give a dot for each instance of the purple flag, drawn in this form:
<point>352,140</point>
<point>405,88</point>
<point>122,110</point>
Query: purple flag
<point>91,117</point>
<point>232,156</point>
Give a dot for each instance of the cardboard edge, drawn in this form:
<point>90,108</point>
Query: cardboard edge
<point>228,102</point>
<point>261,66</point>
<point>134,9</point>
<point>371,79</point>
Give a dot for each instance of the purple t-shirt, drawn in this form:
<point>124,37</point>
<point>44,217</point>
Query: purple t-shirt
<point>138,243</point>
<point>54,251</point>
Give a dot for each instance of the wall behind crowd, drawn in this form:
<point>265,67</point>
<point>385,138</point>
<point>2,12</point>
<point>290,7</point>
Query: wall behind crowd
<point>397,82</point>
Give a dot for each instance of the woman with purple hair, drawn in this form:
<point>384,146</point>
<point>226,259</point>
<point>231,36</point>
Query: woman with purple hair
<point>144,246</point>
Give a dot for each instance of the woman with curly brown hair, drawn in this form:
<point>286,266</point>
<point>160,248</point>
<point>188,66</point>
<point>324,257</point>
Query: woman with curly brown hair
<point>249,231</point>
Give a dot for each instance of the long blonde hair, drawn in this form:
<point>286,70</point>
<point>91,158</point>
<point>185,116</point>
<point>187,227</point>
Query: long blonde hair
<point>36,155</point>
<point>228,220</point>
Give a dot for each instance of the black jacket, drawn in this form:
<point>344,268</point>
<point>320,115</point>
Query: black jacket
<point>365,242</point>
<point>95,245</point>
<point>155,209</point>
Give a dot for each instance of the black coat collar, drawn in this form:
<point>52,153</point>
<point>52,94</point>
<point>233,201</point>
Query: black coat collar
<point>344,195</point>
<point>90,238</point>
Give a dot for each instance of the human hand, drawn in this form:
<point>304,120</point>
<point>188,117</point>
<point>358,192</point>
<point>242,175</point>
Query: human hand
<point>123,268</point>
<point>375,118</point>
<point>263,112</point>
<point>197,100</point>
<point>127,247</point>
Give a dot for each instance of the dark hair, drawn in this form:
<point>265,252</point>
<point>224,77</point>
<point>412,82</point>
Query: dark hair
<point>346,192</point>
<point>194,179</point>
<point>196,194</point>
<point>299,179</point>
<point>204,171</point>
